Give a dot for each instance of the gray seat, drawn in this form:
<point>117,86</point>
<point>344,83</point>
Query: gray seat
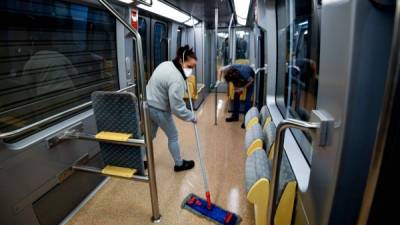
<point>264,113</point>
<point>269,136</point>
<point>252,113</point>
<point>118,112</point>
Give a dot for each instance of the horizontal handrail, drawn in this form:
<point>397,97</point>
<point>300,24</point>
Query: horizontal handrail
<point>49,119</point>
<point>91,169</point>
<point>277,160</point>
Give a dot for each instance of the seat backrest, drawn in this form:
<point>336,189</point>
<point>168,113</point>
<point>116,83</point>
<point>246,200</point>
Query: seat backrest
<point>257,166</point>
<point>264,114</point>
<point>118,112</point>
<point>269,137</point>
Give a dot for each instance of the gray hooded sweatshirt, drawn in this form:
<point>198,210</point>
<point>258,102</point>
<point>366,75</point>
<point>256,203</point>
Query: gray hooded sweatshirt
<point>165,91</point>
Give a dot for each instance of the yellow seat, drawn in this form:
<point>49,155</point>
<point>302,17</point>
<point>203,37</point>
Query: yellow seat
<point>117,171</point>
<point>113,136</point>
<point>192,87</point>
<point>259,195</point>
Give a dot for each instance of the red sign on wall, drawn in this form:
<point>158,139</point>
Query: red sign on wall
<point>134,18</point>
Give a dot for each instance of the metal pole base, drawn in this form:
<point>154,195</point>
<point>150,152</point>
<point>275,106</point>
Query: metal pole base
<point>154,220</point>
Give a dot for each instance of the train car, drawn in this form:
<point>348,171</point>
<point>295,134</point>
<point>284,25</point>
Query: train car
<point>270,112</point>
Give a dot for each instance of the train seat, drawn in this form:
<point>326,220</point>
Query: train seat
<point>251,118</point>
<point>258,170</point>
<point>258,176</point>
<point>254,139</point>
<point>116,116</point>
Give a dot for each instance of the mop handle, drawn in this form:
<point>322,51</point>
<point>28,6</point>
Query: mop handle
<point>200,152</point>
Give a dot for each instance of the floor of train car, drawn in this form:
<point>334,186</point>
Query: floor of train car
<point>122,202</point>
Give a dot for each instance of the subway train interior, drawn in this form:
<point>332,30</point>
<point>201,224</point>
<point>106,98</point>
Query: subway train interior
<point>286,107</point>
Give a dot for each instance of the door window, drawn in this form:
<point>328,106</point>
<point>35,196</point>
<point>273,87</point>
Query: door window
<point>160,43</point>
<point>298,58</point>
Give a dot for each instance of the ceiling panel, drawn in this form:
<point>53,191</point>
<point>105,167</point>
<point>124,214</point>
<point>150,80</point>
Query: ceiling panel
<point>204,9</point>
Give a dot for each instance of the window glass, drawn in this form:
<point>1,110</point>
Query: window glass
<point>160,43</point>
<point>298,58</point>
<point>53,55</point>
<point>242,43</point>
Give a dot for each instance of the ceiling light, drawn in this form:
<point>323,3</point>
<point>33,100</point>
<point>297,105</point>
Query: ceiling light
<point>126,1</point>
<point>242,10</point>
<point>190,22</point>
<point>165,10</point>
<point>146,2</point>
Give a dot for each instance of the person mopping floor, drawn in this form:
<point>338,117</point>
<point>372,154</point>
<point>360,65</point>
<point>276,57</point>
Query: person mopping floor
<point>165,91</point>
<point>242,76</point>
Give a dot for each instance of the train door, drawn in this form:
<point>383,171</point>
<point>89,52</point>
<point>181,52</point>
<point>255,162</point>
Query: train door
<point>154,35</point>
<point>327,65</point>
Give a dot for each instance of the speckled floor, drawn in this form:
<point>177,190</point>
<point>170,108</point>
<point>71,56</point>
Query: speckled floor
<point>122,202</point>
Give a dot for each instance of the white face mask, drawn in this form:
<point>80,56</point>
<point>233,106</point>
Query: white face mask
<point>187,71</point>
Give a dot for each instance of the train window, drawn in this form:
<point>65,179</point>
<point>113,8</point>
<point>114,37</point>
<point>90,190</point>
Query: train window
<point>160,43</point>
<point>298,57</point>
<point>53,55</point>
<point>242,43</point>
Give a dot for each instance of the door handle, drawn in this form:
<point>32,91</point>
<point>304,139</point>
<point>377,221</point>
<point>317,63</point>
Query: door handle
<point>320,129</point>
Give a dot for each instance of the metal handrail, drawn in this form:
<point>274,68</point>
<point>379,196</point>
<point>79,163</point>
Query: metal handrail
<point>49,119</point>
<point>277,160</point>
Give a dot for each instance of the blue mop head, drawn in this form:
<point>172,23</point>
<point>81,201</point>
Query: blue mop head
<point>216,214</point>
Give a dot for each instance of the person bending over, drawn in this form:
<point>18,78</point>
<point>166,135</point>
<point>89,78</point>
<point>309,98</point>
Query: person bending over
<point>241,76</point>
<point>165,91</point>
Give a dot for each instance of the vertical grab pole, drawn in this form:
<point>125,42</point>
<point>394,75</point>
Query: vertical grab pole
<point>156,217</point>
<point>216,66</point>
